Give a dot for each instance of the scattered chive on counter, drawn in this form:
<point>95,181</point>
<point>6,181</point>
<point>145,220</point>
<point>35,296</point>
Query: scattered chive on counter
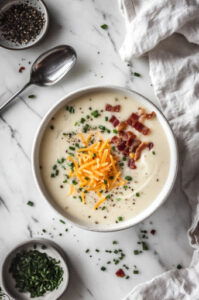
<point>104,26</point>
<point>32,96</point>
<point>136,74</point>
<point>35,272</point>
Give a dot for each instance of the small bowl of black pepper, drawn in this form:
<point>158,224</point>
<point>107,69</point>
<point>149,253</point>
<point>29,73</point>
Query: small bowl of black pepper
<point>23,24</point>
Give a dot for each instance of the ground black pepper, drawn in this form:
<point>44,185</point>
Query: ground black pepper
<point>21,23</point>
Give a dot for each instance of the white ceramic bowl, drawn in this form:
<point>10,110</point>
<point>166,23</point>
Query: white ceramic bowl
<point>163,193</point>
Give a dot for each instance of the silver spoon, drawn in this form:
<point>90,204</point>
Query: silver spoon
<point>48,69</point>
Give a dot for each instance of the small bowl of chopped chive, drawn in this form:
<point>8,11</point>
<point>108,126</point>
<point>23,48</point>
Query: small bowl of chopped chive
<point>37,270</point>
<point>23,23</point>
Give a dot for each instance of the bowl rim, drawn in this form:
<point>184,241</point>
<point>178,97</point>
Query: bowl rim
<point>155,204</point>
<point>45,241</point>
<point>46,16</point>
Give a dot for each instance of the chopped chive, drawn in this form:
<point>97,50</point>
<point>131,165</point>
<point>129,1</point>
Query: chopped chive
<point>136,74</point>
<point>72,148</point>
<point>115,242</point>
<point>70,109</point>
<point>95,113</point>
<point>32,96</point>
<point>103,128</point>
<point>82,120</point>
<point>30,203</point>
<point>86,128</point>
<point>128,178</point>
<point>136,252</point>
<point>145,247</point>
<point>104,26</point>
<point>62,221</point>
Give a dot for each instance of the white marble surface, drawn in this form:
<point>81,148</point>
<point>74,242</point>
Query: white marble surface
<point>78,23</point>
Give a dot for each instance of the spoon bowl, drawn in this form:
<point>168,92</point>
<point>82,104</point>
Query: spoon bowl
<point>53,65</point>
<point>48,68</point>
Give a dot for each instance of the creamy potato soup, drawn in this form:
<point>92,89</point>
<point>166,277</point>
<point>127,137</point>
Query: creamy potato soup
<point>104,158</point>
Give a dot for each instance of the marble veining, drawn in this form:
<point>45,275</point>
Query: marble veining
<point>78,23</point>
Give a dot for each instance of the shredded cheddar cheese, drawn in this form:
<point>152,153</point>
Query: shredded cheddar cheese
<point>96,168</point>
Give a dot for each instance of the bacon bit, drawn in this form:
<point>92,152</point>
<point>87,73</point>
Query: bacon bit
<point>126,151</point>
<point>141,111</point>
<point>150,116</point>
<point>117,108</point>
<point>145,116</point>
<point>130,141</point>
<point>112,108</point>
<point>122,126</point>
<point>108,107</point>
<point>115,140</point>
<point>132,119</point>
<point>135,144</point>
<point>21,69</point>
<point>139,149</point>
<point>114,121</point>
<point>126,142</point>
<point>141,128</point>
<point>131,163</point>
<point>150,145</point>
<point>121,146</point>
<point>120,273</point>
<point>126,135</point>
<point>153,231</point>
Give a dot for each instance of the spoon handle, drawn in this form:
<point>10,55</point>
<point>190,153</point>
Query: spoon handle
<point>5,104</point>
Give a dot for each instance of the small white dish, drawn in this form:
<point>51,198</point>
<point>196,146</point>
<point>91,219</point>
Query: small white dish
<point>172,168</point>
<point>40,6</point>
<point>52,250</point>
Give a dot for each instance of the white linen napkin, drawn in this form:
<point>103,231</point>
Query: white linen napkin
<point>168,30</point>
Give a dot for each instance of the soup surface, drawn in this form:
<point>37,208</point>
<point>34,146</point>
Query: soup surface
<point>104,158</point>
